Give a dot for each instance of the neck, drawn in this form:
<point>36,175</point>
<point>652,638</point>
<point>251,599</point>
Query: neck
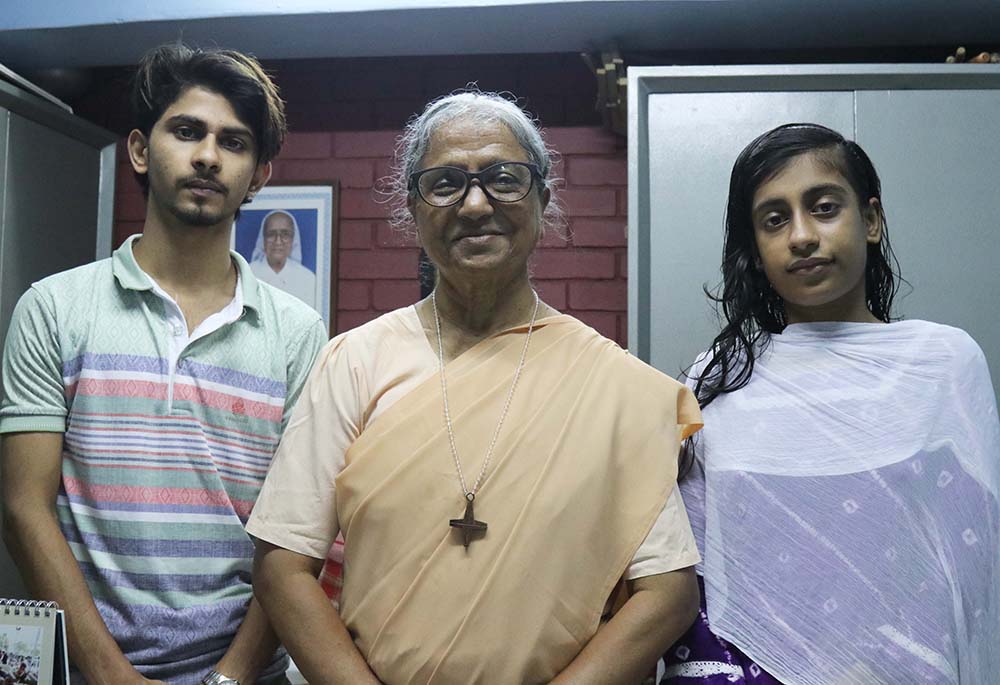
<point>852,308</point>
<point>183,258</point>
<point>482,311</point>
<point>276,267</point>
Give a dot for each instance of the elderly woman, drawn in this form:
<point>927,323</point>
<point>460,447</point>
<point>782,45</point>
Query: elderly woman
<point>504,477</point>
<point>277,257</point>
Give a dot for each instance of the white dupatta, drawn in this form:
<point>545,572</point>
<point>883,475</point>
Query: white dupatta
<point>848,508</point>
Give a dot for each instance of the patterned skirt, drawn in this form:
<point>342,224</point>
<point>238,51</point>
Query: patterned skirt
<point>702,658</point>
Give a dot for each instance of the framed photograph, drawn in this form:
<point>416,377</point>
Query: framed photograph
<point>288,236</point>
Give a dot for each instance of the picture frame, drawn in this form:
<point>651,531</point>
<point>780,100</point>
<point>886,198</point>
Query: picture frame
<point>298,253</point>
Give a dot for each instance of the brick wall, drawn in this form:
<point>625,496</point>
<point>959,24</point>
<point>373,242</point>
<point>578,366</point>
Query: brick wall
<point>331,106</point>
<point>582,274</point>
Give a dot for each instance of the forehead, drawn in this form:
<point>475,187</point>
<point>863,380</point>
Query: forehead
<point>278,221</point>
<point>472,144</point>
<point>800,174</point>
<point>210,107</point>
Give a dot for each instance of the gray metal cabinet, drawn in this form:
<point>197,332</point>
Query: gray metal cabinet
<point>56,200</point>
<point>933,132</point>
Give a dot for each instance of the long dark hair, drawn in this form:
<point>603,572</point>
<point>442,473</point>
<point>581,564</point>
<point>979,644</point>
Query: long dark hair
<point>751,309</point>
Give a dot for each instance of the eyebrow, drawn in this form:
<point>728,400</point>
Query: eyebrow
<point>199,123</point>
<point>814,191</point>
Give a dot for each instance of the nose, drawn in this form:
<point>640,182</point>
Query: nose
<point>802,235</point>
<point>206,154</point>
<point>476,203</point>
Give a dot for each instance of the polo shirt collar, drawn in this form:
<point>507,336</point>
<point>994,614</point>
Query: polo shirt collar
<point>131,276</point>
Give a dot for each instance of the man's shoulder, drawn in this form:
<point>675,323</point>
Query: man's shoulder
<point>78,281</point>
<point>71,292</point>
<point>285,307</point>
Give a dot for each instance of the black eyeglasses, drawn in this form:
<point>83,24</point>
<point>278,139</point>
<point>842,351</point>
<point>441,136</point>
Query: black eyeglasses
<point>444,186</point>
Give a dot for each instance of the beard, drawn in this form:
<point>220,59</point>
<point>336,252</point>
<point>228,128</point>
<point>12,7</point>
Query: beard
<point>170,194</point>
<point>199,215</point>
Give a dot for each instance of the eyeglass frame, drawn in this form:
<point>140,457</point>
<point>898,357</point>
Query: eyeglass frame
<point>285,237</point>
<point>413,182</point>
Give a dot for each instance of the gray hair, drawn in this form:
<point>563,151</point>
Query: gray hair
<point>481,107</point>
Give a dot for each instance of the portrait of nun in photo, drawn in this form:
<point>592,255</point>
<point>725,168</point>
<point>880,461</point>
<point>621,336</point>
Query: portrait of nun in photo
<point>277,257</point>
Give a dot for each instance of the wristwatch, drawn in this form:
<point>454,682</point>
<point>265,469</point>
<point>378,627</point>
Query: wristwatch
<point>216,678</point>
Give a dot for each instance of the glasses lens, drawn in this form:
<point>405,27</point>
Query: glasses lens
<point>508,182</point>
<point>441,187</point>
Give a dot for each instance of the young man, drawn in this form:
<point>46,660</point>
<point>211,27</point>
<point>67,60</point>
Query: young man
<point>144,396</point>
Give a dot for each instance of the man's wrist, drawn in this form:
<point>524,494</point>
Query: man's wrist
<point>216,678</point>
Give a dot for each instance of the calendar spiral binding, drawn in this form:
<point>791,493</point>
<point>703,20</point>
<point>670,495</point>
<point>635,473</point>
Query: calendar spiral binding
<point>27,607</point>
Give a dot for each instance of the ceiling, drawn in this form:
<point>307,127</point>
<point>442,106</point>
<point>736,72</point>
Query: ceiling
<point>53,33</point>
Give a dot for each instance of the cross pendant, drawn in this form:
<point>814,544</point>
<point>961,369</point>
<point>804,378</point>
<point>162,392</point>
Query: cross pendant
<point>468,523</point>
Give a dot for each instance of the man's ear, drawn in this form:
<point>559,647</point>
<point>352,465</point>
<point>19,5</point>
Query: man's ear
<point>138,151</point>
<point>261,175</point>
<point>873,221</point>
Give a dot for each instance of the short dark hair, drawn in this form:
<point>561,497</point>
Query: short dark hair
<point>165,72</point>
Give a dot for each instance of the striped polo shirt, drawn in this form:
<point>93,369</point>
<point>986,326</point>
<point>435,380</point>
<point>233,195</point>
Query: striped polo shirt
<point>165,447</point>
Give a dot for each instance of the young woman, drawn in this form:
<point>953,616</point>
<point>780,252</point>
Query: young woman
<point>844,490</point>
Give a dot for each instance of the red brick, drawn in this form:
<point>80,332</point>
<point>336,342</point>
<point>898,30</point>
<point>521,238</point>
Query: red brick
<point>598,295</point>
<point>353,295</point>
<point>554,238</point>
<point>299,145</point>
<point>361,204</point>
<point>589,201</point>
<point>622,330</point>
<point>387,236</point>
<point>364,143</point>
<point>125,177</point>
<point>623,202</point>
<point>573,263</point>
<point>599,232</point>
<point>553,293</point>
<point>389,295</point>
<point>623,265</point>
<point>572,140</point>
<point>605,323</point>
<point>348,320</point>
<point>130,207</point>
<point>354,235</point>
<point>373,264</point>
<point>383,168</point>
<point>123,229</point>
<point>558,171</point>
<point>598,171</point>
<point>350,173</point>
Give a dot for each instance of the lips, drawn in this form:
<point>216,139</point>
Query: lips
<point>477,234</point>
<point>808,264</point>
<point>204,184</point>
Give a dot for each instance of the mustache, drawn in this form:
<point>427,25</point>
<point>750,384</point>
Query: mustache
<point>198,181</point>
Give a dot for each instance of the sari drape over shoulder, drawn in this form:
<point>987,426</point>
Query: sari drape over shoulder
<point>848,510</point>
<point>582,468</point>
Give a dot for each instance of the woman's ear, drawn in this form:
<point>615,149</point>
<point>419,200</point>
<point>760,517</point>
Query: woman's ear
<point>873,221</point>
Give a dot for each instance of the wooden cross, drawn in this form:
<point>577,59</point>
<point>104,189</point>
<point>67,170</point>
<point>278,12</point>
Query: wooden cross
<point>468,523</point>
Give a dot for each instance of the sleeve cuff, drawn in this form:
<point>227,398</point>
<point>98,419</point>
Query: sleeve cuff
<point>33,424</point>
